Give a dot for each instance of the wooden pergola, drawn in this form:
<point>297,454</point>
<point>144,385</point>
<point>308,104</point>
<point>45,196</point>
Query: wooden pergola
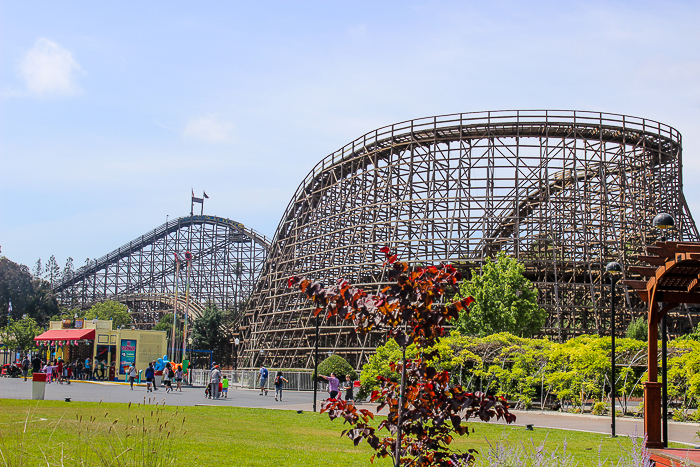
<point>673,279</point>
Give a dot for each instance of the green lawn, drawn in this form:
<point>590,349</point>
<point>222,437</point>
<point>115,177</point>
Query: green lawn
<point>81,433</point>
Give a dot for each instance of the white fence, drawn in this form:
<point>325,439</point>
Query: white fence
<point>250,379</point>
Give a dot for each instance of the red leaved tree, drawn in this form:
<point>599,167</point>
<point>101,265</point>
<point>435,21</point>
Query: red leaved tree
<point>425,411</point>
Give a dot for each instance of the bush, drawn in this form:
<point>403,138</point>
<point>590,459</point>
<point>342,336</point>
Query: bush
<point>679,415</point>
<point>600,408</point>
<point>337,365</point>
<point>637,329</point>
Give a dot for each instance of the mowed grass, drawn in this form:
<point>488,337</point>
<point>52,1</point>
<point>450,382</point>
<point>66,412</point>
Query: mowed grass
<point>82,433</point>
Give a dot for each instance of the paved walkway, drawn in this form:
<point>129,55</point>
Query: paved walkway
<point>13,388</point>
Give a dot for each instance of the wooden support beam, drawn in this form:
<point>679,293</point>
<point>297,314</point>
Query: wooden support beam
<point>636,285</point>
<point>646,271</point>
<point>655,260</point>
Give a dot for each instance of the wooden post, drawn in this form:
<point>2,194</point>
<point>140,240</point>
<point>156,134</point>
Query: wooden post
<point>652,388</point>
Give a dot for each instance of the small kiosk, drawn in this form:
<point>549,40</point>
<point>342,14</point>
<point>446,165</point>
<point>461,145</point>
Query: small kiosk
<point>95,339</point>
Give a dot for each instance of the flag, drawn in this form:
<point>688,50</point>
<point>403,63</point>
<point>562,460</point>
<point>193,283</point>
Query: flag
<point>205,195</point>
<point>197,200</point>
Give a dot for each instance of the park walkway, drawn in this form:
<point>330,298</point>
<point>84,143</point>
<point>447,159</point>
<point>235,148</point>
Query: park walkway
<point>13,388</point>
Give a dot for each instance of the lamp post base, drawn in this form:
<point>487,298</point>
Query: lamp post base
<point>652,414</point>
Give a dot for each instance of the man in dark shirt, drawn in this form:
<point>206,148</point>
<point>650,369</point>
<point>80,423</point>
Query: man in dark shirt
<point>36,364</point>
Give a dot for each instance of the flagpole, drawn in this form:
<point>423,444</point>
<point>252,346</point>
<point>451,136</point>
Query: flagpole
<point>177,277</point>
<point>188,257</point>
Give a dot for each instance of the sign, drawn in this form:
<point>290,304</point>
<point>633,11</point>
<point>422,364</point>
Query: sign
<point>66,324</point>
<point>79,323</point>
<point>127,355</point>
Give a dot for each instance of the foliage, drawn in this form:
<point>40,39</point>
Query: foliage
<point>567,374</point>
<point>31,297</point>
<point>208,332</point>
<point>638,329</point>
<point>505,301</point>
<point>166,324</point>
<point>427,409</point>
<point>19,335</point>
<point>52,271</point>
<point>337,365</point>
<point>599,408</point>
<point>695,335</point>
<point>117,312</point>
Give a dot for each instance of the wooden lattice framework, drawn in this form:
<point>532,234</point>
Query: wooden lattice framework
<point>228,258</point>
<point>673,279</point>
<point>564,192</point>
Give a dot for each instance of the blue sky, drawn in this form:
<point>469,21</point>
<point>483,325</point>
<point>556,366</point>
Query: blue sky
<point>111,112</point>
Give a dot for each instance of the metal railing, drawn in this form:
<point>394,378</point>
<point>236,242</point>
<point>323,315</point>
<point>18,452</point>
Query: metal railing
<point>250,379</point>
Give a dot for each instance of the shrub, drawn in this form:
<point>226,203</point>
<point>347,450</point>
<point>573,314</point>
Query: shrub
<point>637,329</point>
<point>600,408</point>
<point>337,365</point>
<point>679,415</point>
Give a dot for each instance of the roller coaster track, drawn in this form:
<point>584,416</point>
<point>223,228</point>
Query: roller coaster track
<point>156,234</point>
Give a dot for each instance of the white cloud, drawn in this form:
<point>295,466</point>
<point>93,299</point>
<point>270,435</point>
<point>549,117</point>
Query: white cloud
<point>49,69</point>
<point>209,129</point>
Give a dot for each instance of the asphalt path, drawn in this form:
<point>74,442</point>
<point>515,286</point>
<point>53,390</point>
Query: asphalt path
<point>17,388</point>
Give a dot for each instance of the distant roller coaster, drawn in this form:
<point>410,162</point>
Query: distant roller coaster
<point>562,191</point>
<point>227,260</point>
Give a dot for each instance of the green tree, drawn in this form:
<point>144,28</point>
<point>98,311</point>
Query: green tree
<point>117,312</point>
<point>637,329</point>
<point>38,271</point>
<point>15,287</point>
<point>337,365</point>
<point>208,332</point>
<point>19,335</point>
<point>166,324</point>
<point>505,301</point>
<point>52,271</point>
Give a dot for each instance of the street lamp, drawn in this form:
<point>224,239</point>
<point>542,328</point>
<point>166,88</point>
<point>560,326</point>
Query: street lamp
<point>614,270</point>
<point>663,221</point>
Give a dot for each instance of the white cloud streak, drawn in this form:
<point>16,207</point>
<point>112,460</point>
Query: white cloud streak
<point>209,129</point>
<point>49,69</point>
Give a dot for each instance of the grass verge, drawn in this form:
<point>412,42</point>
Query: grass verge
<point>53,433</point>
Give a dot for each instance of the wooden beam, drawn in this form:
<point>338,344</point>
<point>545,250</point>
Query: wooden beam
<point>655,260</point>
<point>637,285</point>
<point>658,251</point>
<point>678,297</point>
<point>646,271</point>
<point>689,247</point>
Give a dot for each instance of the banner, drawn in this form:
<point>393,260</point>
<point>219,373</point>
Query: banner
<point>127,355</point>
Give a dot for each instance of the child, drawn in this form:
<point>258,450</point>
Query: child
<point>348,388</point>
<point>278,385</point>
<point>224,387</point>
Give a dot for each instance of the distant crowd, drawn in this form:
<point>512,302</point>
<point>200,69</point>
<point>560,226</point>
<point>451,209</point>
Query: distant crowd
<point>58,370</point>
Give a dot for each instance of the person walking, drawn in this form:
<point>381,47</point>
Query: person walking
<point>59,371</point>
<point>88,369</point>
<point>224,387</point>
<point>178,378</point>
<point>36,364</point>
<point>348,389</point>
<point>215,380</point>
<point>263,380</point>
<point>132,375</point>
<point>333,385</point>
<point>25,367</point>
<point>279,380</point>
<point>150,373</point>
<point>166,378</point>
<point>79,368</point>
